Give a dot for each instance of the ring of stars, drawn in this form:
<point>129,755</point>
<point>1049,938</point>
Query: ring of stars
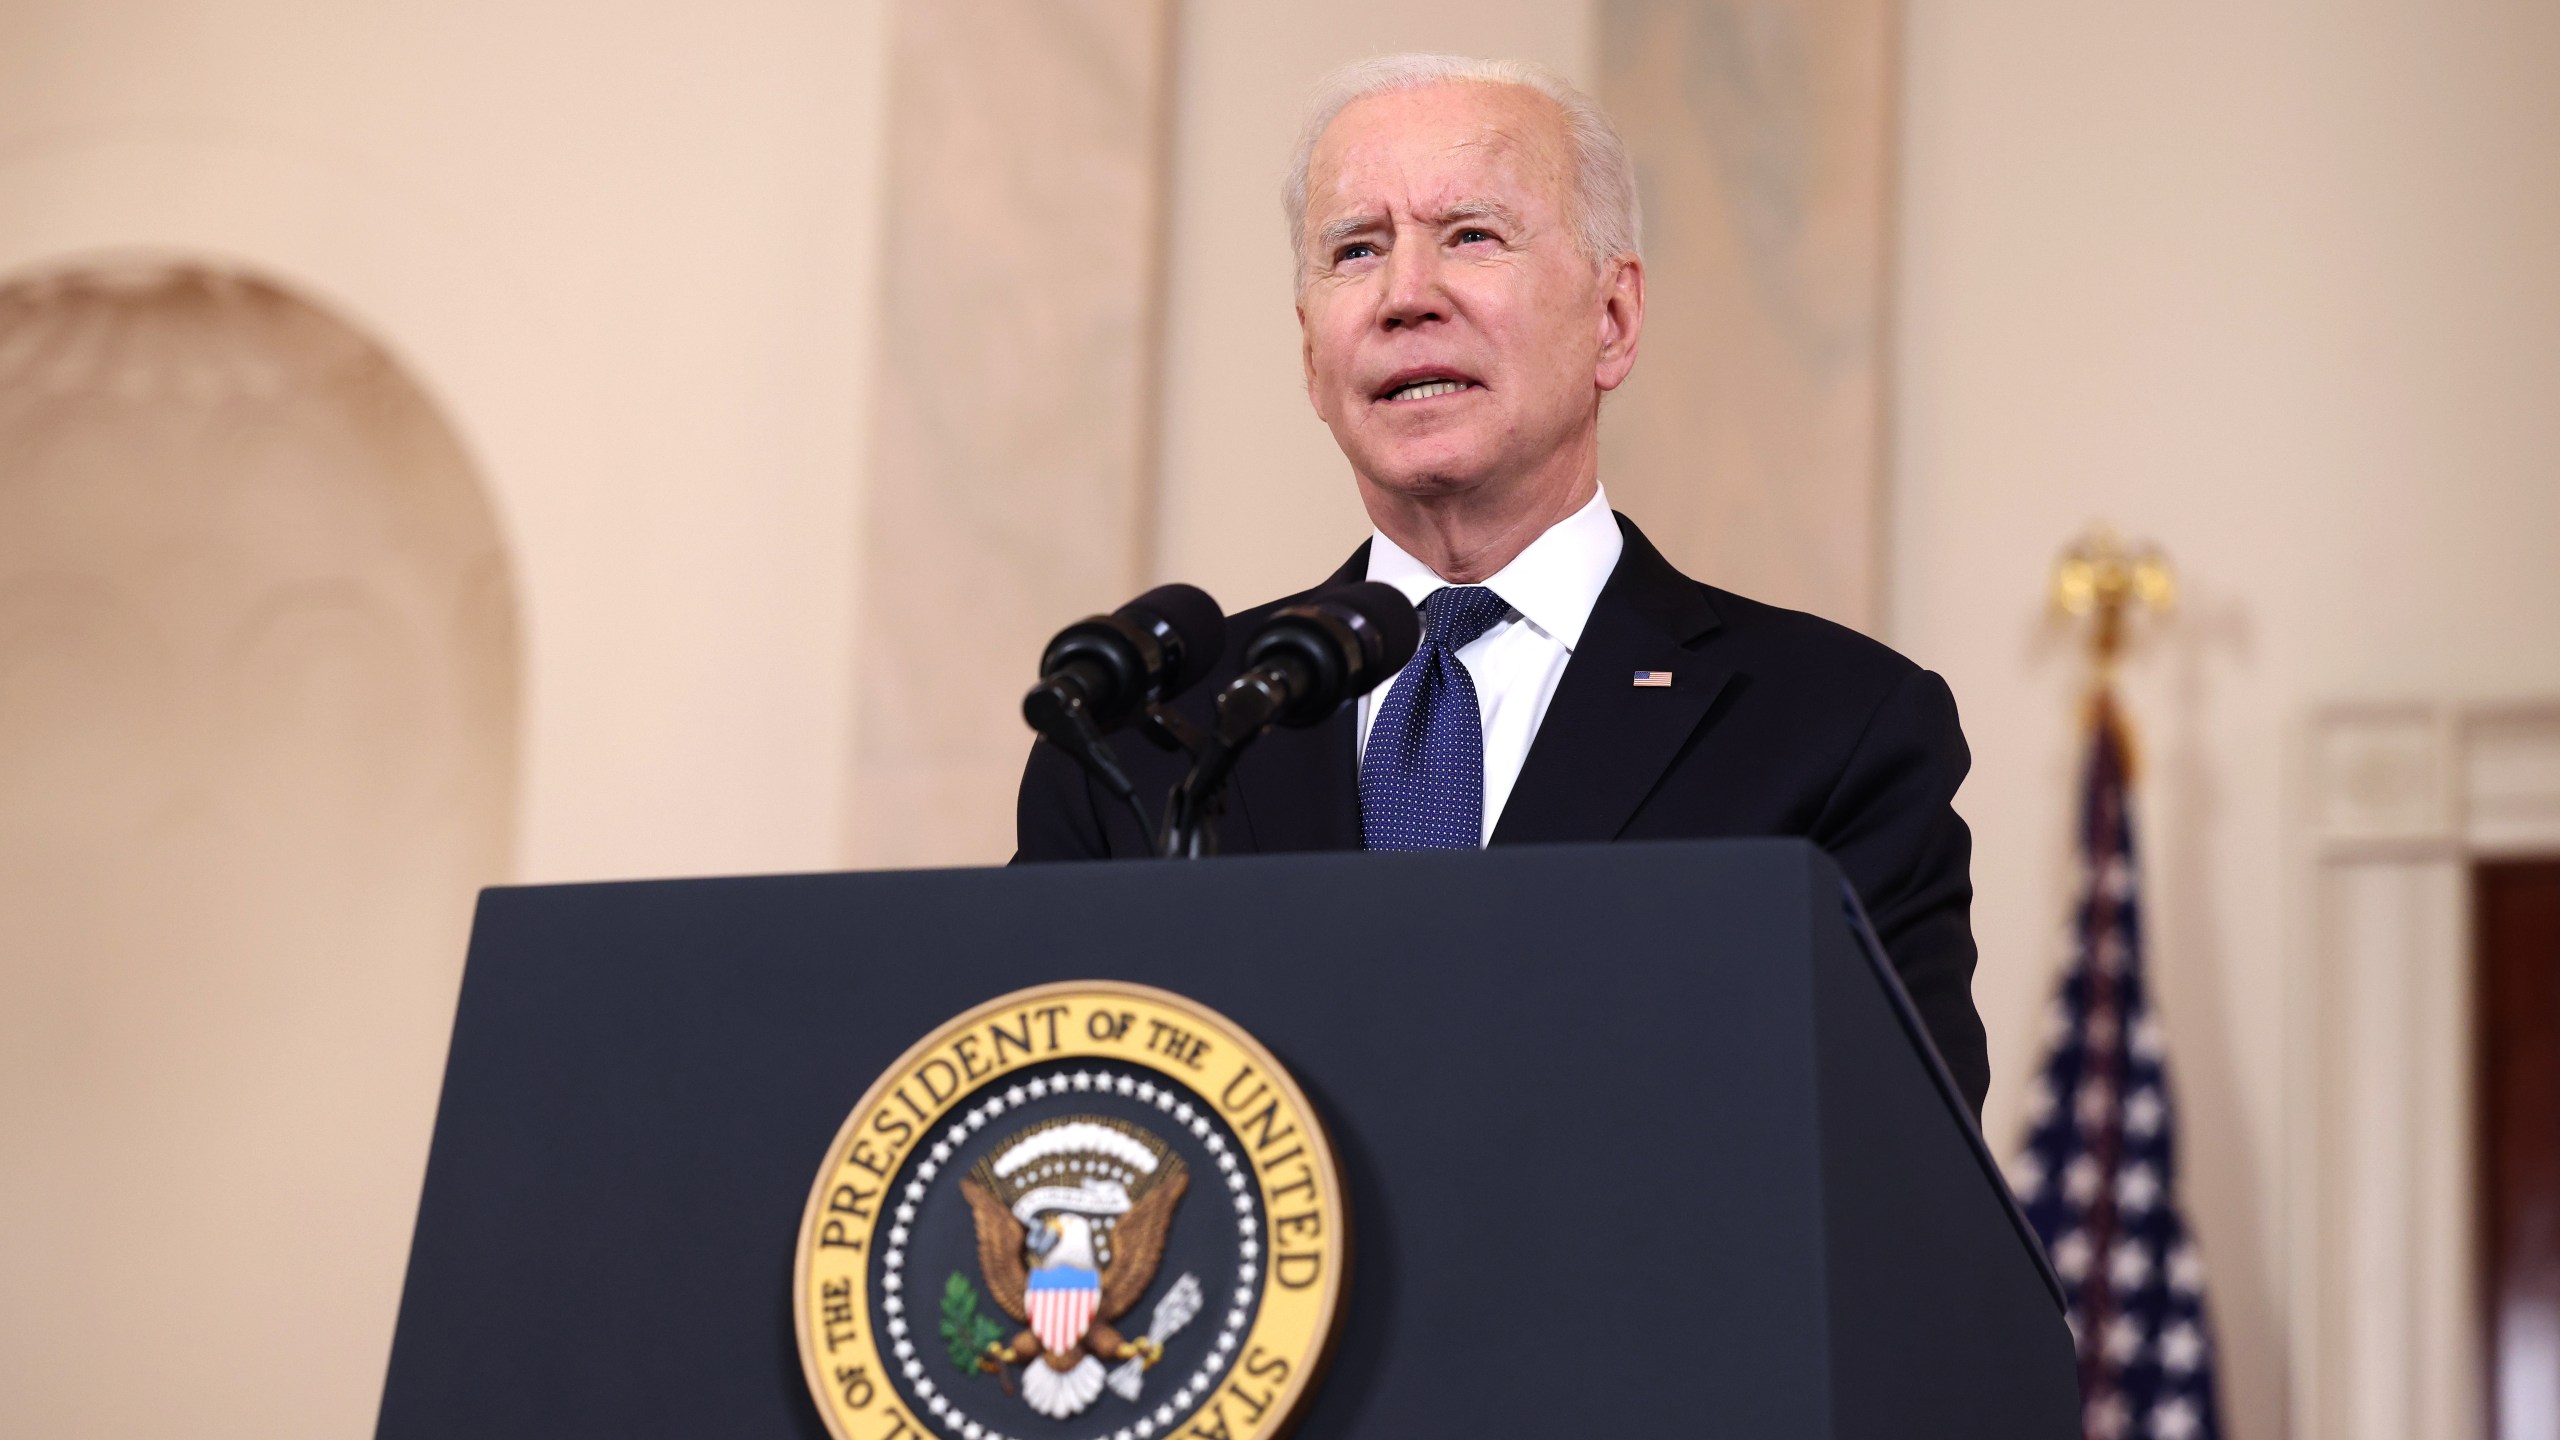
<point>1181,1112</point>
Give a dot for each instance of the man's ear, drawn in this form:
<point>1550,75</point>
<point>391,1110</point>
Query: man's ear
<point>1621,320</point>
<point>1307,360</point>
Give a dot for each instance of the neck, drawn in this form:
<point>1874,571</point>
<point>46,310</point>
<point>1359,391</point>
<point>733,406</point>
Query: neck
<point>1467,535</point>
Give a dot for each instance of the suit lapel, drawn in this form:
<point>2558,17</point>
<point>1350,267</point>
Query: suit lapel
<point>1300,789</point>
<point>1605,741</point>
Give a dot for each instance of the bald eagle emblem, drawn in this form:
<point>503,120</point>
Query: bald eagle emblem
<point>1071,1220</point>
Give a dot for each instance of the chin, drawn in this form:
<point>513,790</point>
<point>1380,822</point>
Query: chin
<point>1435,470</point>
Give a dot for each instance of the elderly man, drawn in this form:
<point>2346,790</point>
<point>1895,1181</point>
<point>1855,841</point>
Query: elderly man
<point>1468,288</point>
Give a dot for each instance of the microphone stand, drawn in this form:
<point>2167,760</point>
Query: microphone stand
<point>1072,730</point>
<point>1245,712</point>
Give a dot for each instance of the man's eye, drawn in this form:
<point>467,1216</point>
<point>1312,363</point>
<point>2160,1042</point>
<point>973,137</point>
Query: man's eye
<point>1354,252</point>
<point>1471,236</point>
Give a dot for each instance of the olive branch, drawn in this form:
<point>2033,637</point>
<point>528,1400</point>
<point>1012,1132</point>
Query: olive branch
<point>966,1327</point>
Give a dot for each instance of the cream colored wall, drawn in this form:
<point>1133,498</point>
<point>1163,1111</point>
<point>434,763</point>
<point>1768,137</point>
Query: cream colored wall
<point>2275,286</point>
<point>627,252</point>
<point>257,730</point>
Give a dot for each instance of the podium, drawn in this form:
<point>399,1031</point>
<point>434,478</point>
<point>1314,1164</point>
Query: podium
<point>1636,1139</point>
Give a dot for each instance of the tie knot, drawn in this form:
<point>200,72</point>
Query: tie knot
<point>1454,615</point>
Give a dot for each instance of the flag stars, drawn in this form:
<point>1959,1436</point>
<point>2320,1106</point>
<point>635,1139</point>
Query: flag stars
<point>2129,1265</point>
<point>2182,1348</point>
<point>2146,1038</point>
<point>2096,1177</point>
<point>2137,1189</point>
<point>2071,1256</point>
<point>2026,1175</point>
<point>2175,1419</point>
<point>2143,1112</point>
<point>2081,1179</point>
<point>2186,1269</point>
<point>2124,1340</point>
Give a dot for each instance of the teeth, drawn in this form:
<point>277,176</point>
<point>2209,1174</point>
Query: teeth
<point>1424,390</point>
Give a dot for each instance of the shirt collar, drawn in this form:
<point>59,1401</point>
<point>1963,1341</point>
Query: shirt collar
<point>1553,584</point>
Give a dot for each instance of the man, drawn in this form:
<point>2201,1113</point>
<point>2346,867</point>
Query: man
<point>1468,288</point>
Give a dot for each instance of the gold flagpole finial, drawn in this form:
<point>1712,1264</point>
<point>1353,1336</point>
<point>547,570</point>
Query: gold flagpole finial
<point>2102,579</point>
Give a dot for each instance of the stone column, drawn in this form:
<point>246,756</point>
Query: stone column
<point>1011,477</point>
<point>1750,443</point>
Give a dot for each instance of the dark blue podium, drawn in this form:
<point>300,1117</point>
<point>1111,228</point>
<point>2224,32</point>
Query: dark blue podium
<point>1639,1139</point>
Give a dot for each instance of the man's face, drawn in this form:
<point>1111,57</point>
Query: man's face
<point>1455,334</point>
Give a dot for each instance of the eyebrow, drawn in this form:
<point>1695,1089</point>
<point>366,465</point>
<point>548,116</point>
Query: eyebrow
<point>1338,231</point>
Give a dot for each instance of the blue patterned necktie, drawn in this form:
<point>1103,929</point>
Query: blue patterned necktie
<point>1422,777</point>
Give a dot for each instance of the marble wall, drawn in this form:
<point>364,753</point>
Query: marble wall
<point>1749,442</point>
<point>1011,477</point>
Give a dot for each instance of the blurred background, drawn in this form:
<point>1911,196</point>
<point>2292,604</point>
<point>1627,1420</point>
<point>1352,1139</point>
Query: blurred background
<point>459,444</point>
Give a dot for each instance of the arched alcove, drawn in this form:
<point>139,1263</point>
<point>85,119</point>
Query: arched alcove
<point>258,677</point>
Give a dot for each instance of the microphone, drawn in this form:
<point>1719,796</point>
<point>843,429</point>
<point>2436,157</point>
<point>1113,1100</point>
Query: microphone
<point>1101,671</point>
<point>1299,668</point>
<point>1309,658</point>
<point>1107,667</point>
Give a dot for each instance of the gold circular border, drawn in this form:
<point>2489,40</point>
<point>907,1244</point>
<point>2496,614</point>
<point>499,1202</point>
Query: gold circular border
<point>1307,1361</point>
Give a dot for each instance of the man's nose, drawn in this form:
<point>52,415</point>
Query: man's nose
<point>1413,295</point>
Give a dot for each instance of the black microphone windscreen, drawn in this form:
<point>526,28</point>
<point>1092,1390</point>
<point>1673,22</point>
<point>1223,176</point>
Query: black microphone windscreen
<point>1198,625</point>
<point>1388,621</point>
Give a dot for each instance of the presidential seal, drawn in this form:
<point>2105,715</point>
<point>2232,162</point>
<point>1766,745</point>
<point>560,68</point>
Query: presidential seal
<point>1084,1211</point>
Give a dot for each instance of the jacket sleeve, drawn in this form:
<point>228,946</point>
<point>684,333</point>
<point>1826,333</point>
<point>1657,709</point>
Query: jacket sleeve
<point>1054,816</point>
<point>1891,825</point>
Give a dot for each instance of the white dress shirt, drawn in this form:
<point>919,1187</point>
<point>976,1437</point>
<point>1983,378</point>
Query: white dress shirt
<point>1551,587</point>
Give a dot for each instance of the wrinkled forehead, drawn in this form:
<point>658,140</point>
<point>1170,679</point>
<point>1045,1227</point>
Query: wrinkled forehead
<point>1425,150</point>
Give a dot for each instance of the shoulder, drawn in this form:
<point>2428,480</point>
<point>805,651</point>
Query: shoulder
<point>1780,640</point>
<point>1820,689</point>
<point>1807,686</point>
<point>1794,652</point>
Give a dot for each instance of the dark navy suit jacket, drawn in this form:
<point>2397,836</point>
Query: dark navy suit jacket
<point>1775,723</point>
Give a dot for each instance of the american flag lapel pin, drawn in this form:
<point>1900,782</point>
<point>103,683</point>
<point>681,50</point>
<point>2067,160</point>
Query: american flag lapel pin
<point>1653,679</point>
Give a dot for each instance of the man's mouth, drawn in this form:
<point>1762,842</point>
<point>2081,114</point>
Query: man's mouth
<point>1428,388</point>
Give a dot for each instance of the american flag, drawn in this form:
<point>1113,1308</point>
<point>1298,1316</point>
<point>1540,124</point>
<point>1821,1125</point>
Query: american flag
<point>2097,1177</point>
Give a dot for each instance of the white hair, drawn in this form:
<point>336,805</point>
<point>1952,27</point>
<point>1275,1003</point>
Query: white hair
<point>1608,221</point>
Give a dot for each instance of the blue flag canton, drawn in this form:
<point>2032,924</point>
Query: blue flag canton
<point>2097,1176</point>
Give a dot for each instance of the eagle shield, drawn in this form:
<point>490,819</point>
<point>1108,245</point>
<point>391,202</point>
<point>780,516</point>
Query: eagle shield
<point>1071,1220</point>
<point>1062,1299</point>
